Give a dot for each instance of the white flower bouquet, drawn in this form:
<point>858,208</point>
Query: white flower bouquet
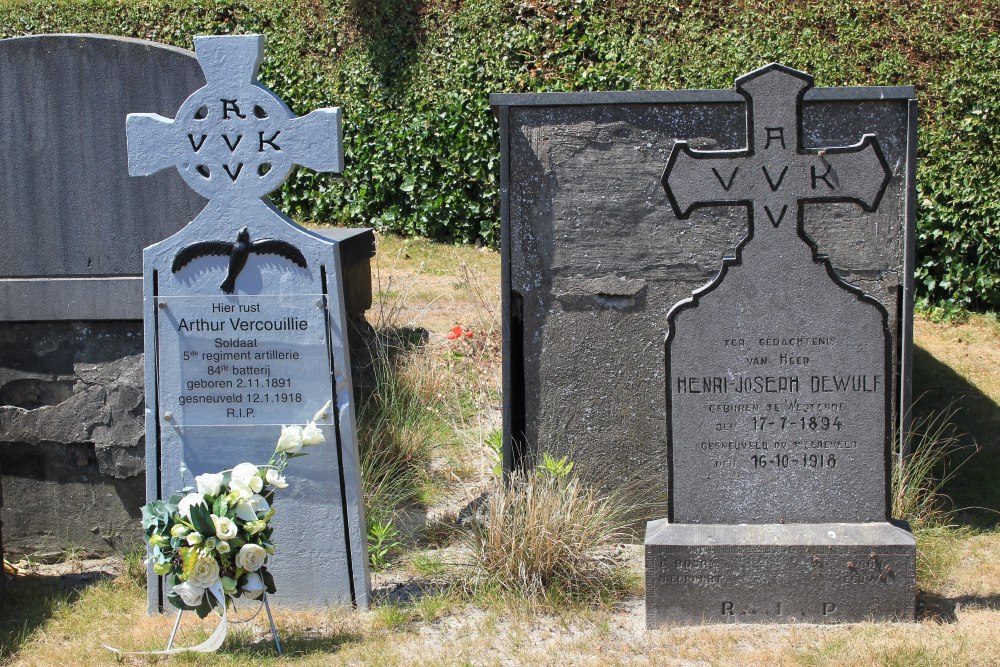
<point>220,533</point>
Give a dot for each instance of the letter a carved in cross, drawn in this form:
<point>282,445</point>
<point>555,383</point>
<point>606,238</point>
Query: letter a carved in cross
<point>775,175</point>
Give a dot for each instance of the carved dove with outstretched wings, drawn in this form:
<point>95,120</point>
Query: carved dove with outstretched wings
<point>238,253</point>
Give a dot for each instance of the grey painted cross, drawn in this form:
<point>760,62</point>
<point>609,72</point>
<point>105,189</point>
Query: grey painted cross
<point>233,140</point>
<point>775,175</point>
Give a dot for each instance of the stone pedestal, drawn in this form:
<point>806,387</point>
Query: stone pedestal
<point>779,573</point>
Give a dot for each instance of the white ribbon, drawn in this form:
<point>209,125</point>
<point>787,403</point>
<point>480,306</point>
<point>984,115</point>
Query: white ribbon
<point>210,645</point>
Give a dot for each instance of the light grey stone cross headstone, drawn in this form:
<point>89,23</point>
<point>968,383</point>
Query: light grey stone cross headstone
<point>245,324</point>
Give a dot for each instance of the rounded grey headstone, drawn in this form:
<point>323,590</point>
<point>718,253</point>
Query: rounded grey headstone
<point>71,212</point>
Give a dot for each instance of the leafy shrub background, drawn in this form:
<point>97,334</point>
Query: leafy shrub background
<point>413,77</point>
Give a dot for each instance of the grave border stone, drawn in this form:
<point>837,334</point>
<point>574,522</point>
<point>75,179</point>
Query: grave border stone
<point>517,453</point>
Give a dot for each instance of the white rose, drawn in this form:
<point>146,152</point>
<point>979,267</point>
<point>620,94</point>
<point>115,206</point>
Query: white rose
<point>187,502</point>
<point>254,585</point>
<point>275,479</point>
<point>190,593</point>
<point>251,557</point>
<point>194,537</point>
<point>256,484</point>
<point>241,490</point>
<point>244,472</point>
<point>259,505</point>
<point>225,529</point>
<point>291,439</point>
<point>311,435</point>
<point>222,547</point>
<point>245,511</point>
<point>205,572</point>
<point>209,484</point>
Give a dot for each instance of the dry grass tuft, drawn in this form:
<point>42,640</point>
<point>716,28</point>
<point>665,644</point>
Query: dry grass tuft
<point>545,536</point>
<point>917,481</point>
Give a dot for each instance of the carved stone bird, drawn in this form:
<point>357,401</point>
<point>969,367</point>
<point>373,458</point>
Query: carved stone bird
<point>238,253</point>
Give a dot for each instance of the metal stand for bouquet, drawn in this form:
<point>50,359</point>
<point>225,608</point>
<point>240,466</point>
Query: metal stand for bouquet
<point>270,620</point>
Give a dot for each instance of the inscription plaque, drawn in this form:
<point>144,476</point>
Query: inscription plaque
<point>243,359</point>
<point>778,376</point>
<point>781,419</point>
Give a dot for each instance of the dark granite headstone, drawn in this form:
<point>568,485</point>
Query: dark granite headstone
<point>777,370</point>
<point>776,254</point>
<point>594,257</point>
<point>778,398</point>
<point>64,201</point>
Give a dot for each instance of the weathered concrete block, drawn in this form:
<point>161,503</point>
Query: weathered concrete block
<point>779,573</point>
<point>71,435</point>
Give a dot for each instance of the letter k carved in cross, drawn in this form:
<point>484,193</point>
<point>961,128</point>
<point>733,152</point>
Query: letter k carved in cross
<point>774,175</point>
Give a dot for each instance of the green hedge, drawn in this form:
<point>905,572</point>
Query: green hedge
<point>414,76</point>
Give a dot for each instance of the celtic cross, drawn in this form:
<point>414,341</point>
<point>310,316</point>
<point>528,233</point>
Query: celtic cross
<point>233,141</point>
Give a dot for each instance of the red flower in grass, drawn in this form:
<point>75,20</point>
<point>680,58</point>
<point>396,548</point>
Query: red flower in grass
<point>457,332</point>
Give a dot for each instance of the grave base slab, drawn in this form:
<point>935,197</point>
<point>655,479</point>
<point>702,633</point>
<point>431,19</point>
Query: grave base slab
<point>779,573</point>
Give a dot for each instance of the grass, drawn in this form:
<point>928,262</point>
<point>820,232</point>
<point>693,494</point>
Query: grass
<point>933,452</point>
<point>938,549</point>
<point>544,535</point>
<point>134,565</point>
<point>422,396</point>
<point>956,363</point>
<point>445,454</point>
<point>428,565</point>
<point>397,429</point>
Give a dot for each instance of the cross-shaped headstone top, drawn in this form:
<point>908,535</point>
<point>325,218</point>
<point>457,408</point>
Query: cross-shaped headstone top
<point>233,140</point>
<point>775,174</point>
<point>775,330</point>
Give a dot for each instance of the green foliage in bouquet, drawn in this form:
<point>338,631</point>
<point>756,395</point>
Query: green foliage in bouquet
<point>219,534</point>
